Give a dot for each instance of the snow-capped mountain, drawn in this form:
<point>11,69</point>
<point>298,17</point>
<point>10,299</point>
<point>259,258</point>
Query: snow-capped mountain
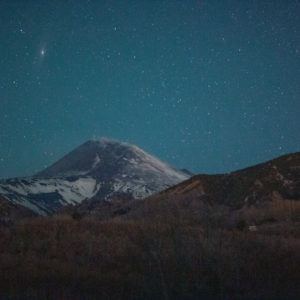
<point>101,169</point>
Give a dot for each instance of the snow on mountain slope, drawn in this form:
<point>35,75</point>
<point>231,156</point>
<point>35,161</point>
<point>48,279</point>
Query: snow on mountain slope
<point>120,167</point>
<point>97,169</point>
<point>44,195</point>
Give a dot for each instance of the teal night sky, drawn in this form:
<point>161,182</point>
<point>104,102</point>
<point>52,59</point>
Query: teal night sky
<point>211,86</point>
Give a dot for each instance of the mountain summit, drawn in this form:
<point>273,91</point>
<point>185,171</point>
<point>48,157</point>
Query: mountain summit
<point>98,169</point>
<point>106,158</point>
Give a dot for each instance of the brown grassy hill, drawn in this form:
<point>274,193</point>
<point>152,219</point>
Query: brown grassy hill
<point>263,193</point>
<point>247,186</point>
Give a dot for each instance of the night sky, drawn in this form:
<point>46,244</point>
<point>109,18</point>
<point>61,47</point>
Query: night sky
<point>211,86</point>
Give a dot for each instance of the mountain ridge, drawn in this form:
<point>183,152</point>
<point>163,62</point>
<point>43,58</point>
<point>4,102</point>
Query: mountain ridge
<point>277,180</point>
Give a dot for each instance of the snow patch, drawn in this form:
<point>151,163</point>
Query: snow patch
<point>96,161</point>
<point>69,192</point>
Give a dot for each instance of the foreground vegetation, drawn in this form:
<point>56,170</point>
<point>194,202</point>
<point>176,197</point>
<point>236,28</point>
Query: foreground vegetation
<point>159,258</point>
<point>230,236</point>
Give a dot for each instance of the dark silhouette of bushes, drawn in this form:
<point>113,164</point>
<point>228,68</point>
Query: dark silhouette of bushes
<point>164,258</point>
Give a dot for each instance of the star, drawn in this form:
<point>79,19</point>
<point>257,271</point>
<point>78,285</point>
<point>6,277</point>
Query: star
<point>43,52</point>
<point>21,29</point>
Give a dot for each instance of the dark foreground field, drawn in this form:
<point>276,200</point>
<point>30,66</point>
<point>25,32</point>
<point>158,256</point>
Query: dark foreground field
<point>64,258</point>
